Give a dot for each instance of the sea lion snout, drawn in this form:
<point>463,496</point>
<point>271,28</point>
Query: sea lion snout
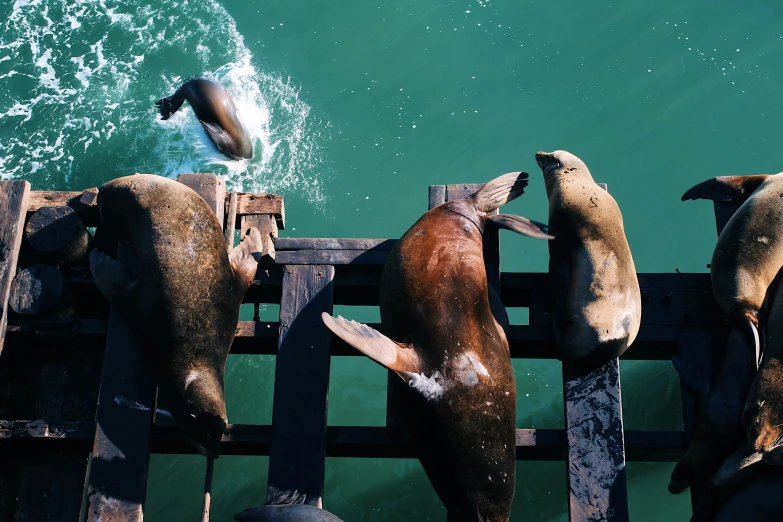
<point>547,161</point>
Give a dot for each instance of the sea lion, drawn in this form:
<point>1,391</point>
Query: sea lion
<point>763,415</point>
<point>286,508</point>
<point>717,430</point>
<point>597,305</point>
<point>445,339</point>
<point>749,251</point>
<point>757,501</point>
<point>216,112</point>
<point>183,306</point>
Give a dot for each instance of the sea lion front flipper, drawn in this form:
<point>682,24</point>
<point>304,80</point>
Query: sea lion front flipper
<point>219,136</point>
<point>692,378</point>
<point>170,105</point>
<point>399,358</point>
<point>243,263</point>
<point>521,225</point>
<point>110,276</point>
<point>499,191</point>
<point>726,188</point>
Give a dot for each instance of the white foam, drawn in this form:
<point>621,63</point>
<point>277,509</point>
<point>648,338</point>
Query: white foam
<point>431,387</point>
<point>468,367</point>
<point>81,79</point>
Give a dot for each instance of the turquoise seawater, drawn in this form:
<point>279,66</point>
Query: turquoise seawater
<point>355,108</point>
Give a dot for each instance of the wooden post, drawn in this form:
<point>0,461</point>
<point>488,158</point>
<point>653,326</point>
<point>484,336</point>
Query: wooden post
<point>117,471</point>
<point>297,452</point>
<point>14,196</point>
<point>59,234</point>
<point>231,219</point>
<point>596,445</point>
<point>41,290</point>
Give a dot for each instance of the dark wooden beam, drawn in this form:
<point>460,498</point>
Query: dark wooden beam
<point>14,196</point>
<point>297,452</point>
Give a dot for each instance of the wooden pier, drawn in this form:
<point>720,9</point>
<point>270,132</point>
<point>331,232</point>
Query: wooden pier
<point>67,435</point>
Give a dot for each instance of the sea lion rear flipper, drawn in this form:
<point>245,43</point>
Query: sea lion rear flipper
<point>170,105</point>
<point>726,188</point>
<point>694,380</point>
<point>243,263</point>
<point>521,225</point>
<point>500,191</point>
<point>399,358</point>
<point>110,276</point>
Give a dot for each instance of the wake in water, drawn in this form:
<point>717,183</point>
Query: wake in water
<point>78,81</point>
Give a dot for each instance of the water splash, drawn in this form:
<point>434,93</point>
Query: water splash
<point>78,82</point>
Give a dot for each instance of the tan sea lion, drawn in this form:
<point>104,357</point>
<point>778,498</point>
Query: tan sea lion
<point>183,306</point>
<point>445,339</point>
<point>749,251</point>
<point>597,302</point>
<point>216,112</point>
<point>717,431</point>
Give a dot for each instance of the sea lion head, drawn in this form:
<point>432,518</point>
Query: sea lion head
<point>202,410</point>
<point>560,162</point>
<point>763,414</point>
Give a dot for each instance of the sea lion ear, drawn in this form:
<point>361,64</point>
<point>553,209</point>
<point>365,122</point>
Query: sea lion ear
<point>726,188</point>
<point>521,225</point>
<point>243,261</point>
<point>399,358</point>
<point>694,380</point>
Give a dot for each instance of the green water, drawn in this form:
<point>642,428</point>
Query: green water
<point>356,107</point>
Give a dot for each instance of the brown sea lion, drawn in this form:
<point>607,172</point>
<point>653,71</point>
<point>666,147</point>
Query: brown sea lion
<point>749,251</point>
<point>216,112</point>
<point>597,302</point>
<point>286,508</point>
<point>445,339</point>
<point>717,431</point>
<point>183,306</point>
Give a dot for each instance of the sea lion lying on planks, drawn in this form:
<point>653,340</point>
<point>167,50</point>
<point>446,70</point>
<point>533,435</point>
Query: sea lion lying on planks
<point>286,508</point>
<point>717,431</point>
<point>445,340</point>
<point>749,251</point>
<point>216,112</point>
<point>598,304</point>
<point>183,306</point>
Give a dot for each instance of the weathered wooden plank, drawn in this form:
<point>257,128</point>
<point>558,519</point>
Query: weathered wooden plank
<point>297,452</point>
<point>117,483</point>
<point>14,197</point>
<point>231,219</point>
<point>332,257</point>
<point>291,243</point>
<point>261,204</point>
<point>596,451</point>
<point>82,202</point>
<point>437,196</point>
<point>210,187</point>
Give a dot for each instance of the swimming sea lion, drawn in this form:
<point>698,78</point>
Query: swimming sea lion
<point>216,112</point>
<point>286,508</point>
<point>445,339</point>
<point>749,251</point>
<point>717,431</point>
<point>597,302</point>
<point>183,306</point>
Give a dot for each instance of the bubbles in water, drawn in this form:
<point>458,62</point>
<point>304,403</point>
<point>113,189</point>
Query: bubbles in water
<point>78,82</point>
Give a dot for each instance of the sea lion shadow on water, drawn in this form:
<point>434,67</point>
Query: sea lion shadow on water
<point>443,336</point>
<point>182,338</point>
